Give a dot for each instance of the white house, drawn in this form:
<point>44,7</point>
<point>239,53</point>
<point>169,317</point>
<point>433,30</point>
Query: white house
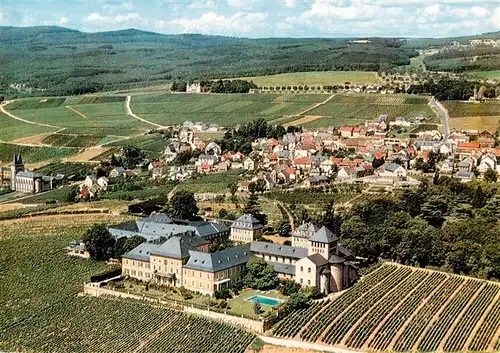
<point>487,163</point>
<point>392,170</point>
<point>249,164</point>
<point>103,183</point>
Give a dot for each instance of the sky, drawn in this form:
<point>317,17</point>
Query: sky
<point>263,18</point>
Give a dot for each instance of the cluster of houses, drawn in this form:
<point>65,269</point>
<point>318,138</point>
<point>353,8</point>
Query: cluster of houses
<point>348,154</point>
<point>94,186</point>
<point>177,253</point>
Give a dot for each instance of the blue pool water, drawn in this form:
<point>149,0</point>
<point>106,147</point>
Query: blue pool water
<point>264,300</point>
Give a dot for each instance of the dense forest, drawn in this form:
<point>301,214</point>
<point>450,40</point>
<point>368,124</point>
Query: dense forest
<point>449,225</point>
<point>450,89</point>
<point>59,61</point>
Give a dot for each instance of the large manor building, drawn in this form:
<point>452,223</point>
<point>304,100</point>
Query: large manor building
<point>184,258</point>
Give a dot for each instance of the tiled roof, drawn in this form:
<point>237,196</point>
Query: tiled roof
<point>261,247</point>
<point>247,221</point>
<point>318,259</point>
<point>220,260</point>
<point>324,235</point>
<point>175,247</point>
<point>141,252</point>
<point>283,268</point>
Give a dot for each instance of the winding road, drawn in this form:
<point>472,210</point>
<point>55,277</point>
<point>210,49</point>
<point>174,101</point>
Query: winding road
<point>2,109</point>
<point>131,113</point>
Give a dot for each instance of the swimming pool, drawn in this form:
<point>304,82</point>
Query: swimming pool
<point>264,300</point>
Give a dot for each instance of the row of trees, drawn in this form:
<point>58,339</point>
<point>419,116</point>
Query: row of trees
<point>219,86</point>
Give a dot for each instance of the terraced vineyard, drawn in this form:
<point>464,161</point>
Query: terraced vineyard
<point>400,308</point>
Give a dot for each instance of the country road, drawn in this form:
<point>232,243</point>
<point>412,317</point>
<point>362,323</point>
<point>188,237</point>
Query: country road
<point>131,113</point>
<point>2,109</point>
<point>315,106</point>
<point>445,117</point>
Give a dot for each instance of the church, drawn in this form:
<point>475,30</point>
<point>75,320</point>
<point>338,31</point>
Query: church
<point>30,182</point>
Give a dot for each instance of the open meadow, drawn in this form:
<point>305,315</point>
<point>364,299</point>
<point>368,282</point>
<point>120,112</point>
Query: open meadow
<point>401,309</point>
<point>37,318</point>
<point>317,78</point>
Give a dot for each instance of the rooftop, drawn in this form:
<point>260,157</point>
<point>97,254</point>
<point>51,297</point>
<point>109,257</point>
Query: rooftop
<point>220,260</point>
<point>261,247</point>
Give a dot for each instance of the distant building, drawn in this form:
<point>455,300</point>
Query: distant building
<point>194,87</point>
<point>31,182</point>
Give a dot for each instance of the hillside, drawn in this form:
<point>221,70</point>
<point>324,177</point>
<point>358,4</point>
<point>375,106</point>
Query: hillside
<point>402,309</point>
<point>64,62</point>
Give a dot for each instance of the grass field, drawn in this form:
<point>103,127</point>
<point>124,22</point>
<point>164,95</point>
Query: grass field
<point>40,312</point>
<point>354,109</point>
<point>32,154</point>
<point>226,110</point>
<point>318,78</point>
<point>401,309</point>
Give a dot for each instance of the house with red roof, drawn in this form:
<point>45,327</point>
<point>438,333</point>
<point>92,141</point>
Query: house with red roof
<point>346,131</point>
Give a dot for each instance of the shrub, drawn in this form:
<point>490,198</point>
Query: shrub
<point>186,294</point>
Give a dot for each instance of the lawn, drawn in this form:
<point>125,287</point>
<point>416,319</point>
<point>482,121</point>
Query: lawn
<point>225,110</point>
<point>32,154</point>
<point>317,78</point>
<point>241,305</point>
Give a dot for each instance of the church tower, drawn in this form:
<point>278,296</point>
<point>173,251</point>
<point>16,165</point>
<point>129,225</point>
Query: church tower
<point>16,167</point>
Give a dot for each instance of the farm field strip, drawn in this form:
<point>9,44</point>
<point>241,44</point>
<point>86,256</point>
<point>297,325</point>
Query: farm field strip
<point>433,337</point>
<point>484,334</point>
<point>293,325</point>
<point>320,324</point>
<point>361,330</point>
<point>394,323</point>
<point>466,324</point>
<point>337,333</point>
<point>418,325</point>
<point>316,78</point>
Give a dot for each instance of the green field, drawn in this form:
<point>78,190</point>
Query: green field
<point>66,140</point>
<point>225,110</point>
<point>465,109</point>
<point>12,129</point>
<point>40,310</point>
<point>154,143</point>
<point>318,78</point>
<point>212,183</point>
<point>474,116</point>
<point>495,75</point>
<point>354,109</point>
<point>33,154</point>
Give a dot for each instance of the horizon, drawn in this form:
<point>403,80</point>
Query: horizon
<point>241,37</point>
<point>263,18</point>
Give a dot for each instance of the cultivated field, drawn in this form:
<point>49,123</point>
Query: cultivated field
<point>399,308</point>
<point>474,116</point>
<point>354,109</point>
<point>495,75</point>
<point>36,318</point>
<point>33,154</point>
<point>225,110</point>
<point>318,78</point>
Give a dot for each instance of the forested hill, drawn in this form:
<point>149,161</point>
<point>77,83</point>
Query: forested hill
<point>65,61</point>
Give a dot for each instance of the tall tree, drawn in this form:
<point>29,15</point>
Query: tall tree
<point>183,205</point>
<point>260,274</point>
<point>99,242</point>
